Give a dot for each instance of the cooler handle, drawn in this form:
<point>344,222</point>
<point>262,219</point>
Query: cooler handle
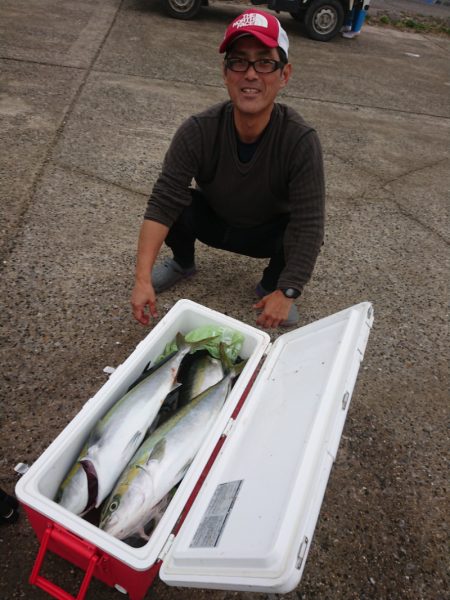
<point>50,587</point>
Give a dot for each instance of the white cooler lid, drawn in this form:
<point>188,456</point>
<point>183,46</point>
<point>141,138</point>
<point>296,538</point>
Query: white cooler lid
<point>251,525</point>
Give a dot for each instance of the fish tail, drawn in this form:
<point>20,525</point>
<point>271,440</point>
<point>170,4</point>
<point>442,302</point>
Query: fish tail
<point>202,344</point>
<point>225,359</point>
<point>180,341</point>
<point>238,368</point>
<point>234,369</point>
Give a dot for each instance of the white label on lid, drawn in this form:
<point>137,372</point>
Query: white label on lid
<point>219,508</point>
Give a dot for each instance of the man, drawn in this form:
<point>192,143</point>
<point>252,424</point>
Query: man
<point>259,181</point>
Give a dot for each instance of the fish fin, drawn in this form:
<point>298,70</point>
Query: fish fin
<point>142,534</point>
<point>157,452</point>
<point>225,359</point>
<point>202,344</point>
<point>238,368</point>
<point>94,436</point>
<point>229,367</point>
<point>196,345</point>
<point>132,445</point>
<point>153,425</point>
<point>182,472</point>
<point>180,341</point>
<point>148,467</point>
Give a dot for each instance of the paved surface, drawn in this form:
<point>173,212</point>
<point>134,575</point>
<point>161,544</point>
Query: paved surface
<point>91,94</point>
<point>418,7</point>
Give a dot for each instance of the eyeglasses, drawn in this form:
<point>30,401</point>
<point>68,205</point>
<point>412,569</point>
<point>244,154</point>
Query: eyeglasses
<point>263,65</point>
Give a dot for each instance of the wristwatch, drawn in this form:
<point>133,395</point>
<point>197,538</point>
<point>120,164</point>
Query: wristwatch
<point>290,292</point>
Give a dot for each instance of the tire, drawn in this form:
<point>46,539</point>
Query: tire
<point>182,9</point>
<point>324,19</point>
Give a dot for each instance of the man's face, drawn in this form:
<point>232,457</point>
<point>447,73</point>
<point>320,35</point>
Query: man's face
<point>254,93</point>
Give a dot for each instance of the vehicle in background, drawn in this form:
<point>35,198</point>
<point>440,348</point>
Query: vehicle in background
<point>322,19</point>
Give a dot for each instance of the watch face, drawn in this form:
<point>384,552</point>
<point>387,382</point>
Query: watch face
<point>291,293</point>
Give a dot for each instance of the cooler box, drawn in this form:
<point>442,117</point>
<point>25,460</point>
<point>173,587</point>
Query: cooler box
<point>244,514</point>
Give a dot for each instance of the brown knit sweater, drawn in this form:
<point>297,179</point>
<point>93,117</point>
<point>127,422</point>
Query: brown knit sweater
<point>284,176</point>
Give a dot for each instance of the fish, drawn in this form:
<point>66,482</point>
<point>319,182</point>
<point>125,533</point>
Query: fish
<point>202,372</point>
<point>73,493</point>
<point>155,516</point>
<point>118,434</point>
<point>161,462</point>
<point>198,372</point>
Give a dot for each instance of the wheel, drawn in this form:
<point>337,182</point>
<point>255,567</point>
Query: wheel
<point>182,9</point>
<point>324,19</point>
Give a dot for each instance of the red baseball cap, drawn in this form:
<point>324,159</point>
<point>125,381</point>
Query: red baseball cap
<point>262,25</point>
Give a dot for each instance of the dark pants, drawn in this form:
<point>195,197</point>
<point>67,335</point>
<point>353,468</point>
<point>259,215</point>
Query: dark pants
<point>198,221</point>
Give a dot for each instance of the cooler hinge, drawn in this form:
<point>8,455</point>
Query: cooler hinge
<point>228,427</point>
<point>363,338</point>
<point>267,350</point>
<point>345,399</point>
<point>301,552</point>
<point>162,555</point>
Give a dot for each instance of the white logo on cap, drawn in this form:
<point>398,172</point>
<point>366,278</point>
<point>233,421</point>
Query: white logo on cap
<point>251,19</point>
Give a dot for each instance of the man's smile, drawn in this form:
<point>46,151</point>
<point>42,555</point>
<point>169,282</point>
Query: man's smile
<point>248,90</point>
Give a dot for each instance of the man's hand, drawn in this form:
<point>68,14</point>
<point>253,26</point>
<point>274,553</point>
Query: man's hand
<point>142,297</point>
<point>275,309</point>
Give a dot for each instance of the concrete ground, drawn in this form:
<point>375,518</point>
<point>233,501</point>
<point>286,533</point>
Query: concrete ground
<point>91,94</point>
<point>432,8</point>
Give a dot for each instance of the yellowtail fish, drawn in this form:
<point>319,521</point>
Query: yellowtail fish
<point>161,462</point>
<point>116,436</point>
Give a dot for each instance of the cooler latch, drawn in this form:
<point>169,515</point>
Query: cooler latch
<point>228,427</point>
<point>162,555</point>
<point>301,552</point>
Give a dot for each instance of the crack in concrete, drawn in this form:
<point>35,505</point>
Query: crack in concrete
<point>10,242</point>
<point>409,214</point>
<point>42,63</point>
<point>78,171</point>
<point>433,40</point>
<point>365,195</point>
<point>419,222</point>
<point>369,106</point>
<point>416,170</point>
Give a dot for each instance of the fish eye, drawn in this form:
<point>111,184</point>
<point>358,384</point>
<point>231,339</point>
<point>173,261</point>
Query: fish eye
<point>114,504</point>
